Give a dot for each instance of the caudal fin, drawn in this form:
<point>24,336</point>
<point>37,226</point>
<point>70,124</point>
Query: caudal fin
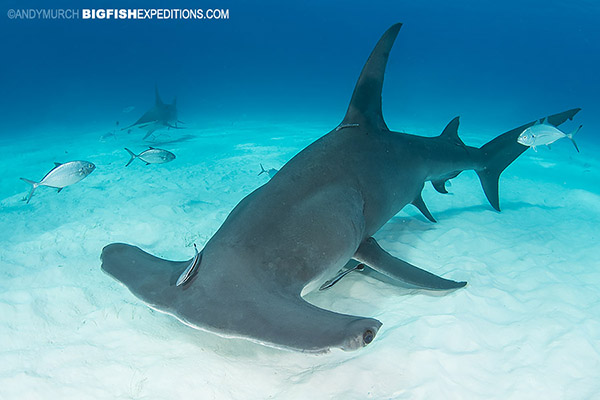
<point>34,186</point>
<point>262,170</point>
<point>499,153</point>
<point>133,156</point>
<point>570,136</point>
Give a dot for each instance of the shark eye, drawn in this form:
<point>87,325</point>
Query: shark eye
<point>368,336</point>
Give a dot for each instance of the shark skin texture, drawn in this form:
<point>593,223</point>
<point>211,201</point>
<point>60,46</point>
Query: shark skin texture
<point>318,213</point>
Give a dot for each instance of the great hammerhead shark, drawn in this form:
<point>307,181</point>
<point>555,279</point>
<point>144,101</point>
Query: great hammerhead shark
<point>319,212</point>
<point>158,117</point>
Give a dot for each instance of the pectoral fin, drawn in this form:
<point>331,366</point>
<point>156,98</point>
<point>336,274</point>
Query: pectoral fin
<point>381,261</point>
<point>149,133</point>
<point>170,126</point>
<point>420,204</point>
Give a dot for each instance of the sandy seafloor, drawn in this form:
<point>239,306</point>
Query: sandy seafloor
<point>526,326</point>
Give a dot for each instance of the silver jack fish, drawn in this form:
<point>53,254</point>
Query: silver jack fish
<point>62,175</point>
<point>545,134</point>
<point>151,156</point>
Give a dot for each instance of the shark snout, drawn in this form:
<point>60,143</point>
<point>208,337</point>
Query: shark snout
<point>360,333</point>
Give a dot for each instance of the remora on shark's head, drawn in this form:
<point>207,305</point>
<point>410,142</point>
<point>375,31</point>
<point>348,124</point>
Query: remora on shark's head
<point>158,117</point>
<point>317,213</point>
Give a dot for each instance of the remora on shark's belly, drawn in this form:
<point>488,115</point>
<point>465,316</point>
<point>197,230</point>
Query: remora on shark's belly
<point>315,215</point>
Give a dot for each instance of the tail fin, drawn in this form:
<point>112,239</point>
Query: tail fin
<point>34,186</point>
<point>570,136</point>
<point>133,157</point>
<point>262,170</point>
<point>499,153</point>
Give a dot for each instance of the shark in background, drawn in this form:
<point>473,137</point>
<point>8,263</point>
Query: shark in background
<point>158,117</point>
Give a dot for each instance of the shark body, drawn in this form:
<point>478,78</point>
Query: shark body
<point>158,117</point>
<point>317,213</point>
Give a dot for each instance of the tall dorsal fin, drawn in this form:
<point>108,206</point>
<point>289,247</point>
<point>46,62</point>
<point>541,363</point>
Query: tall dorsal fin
<point>159,102</point>
<point>450,132</point>
<point>365,106</point>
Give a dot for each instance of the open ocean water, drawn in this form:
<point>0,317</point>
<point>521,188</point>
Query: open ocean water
<point>256,86</point>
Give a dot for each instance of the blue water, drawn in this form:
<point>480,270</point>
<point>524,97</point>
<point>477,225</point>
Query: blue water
<point>505,61</point>
<point>257,88</point>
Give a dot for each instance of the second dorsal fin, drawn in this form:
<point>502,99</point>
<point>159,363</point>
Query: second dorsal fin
<point>365,106</point>
<point>450,132</point>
